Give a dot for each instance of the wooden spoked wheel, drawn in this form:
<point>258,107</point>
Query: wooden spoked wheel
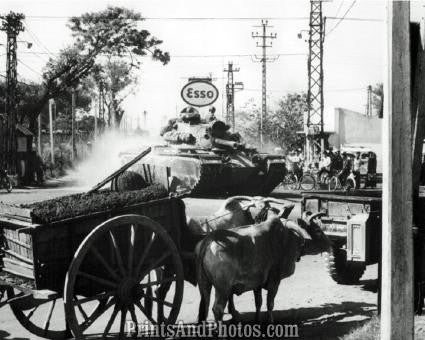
<point>133,266</point>
<point>43,317</point>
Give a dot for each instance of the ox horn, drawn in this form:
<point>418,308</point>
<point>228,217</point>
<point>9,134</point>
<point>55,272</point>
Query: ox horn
<point>237,198</point>
<point>274,200</point>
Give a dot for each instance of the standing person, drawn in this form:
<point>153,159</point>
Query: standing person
<point>294,160</point>
<point>357,163</point>
<point>325,165</point>
<point>371,169</point>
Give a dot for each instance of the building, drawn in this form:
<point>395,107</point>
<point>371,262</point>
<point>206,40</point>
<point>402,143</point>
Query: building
<point>356,130</point>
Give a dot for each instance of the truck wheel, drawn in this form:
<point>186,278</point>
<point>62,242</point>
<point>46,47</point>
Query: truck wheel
<point>341,271</point>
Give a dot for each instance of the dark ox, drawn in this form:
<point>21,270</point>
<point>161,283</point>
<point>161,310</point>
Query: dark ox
<point>253,257</point>
<point>233,213</point>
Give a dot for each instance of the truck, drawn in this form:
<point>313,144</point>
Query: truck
<point>353,223</point>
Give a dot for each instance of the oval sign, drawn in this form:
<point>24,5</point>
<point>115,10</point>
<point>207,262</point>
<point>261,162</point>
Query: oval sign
<point>199,93</point>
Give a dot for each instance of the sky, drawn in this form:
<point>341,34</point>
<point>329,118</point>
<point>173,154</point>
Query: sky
<point>353,48</point>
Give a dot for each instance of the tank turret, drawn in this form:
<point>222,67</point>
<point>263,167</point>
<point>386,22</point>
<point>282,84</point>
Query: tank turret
<point>207,158</point>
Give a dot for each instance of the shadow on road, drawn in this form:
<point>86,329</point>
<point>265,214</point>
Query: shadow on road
<point>329,321</point>
<point>369,285</point>
<point>6,336</point>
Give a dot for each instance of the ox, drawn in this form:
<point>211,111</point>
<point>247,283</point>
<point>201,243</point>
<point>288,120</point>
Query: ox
<point>253,257</point>
<point>232,213</point>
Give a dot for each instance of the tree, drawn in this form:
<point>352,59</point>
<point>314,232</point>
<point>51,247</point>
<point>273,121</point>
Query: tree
<point>282,125</point>
<point>117,81</point>
<point>378,99</point>
<point>111,32</point>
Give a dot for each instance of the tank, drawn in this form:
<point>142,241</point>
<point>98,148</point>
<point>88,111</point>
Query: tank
<point>206,159</point>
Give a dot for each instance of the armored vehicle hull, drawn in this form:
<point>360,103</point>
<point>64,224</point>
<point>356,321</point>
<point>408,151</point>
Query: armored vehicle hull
<point>210,172</point>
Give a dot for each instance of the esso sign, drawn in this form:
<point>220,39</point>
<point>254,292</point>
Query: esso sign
<point>199,93</point>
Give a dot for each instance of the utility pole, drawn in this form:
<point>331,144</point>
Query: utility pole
<point>231,86</point>
<point>101,107</point>
<point>95,121</point>
<point>52,147</point>
<point>73,151</point>
<point>39,134</point>
<point>12,25</point>
<point>264,60</point>
<point>369,102</point>
<point>397,322</point>
<point>315,139</point>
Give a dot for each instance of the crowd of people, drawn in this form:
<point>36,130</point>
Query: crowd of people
<point>332,163</point>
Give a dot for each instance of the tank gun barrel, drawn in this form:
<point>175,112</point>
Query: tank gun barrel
<point>228,143</point>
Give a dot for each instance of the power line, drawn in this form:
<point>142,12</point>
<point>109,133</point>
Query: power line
<point>201,55</point>
<point>339,8</point>
<point>29,67</point>
<point>42,17</point>
<point>21,82</point>
<point>328,90</point>
<point>343,17</point>
<point>37,40</point>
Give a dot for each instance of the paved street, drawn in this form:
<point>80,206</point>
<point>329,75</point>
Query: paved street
<point>309,298</point>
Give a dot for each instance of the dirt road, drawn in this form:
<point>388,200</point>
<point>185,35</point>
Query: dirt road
<point>321,308</point>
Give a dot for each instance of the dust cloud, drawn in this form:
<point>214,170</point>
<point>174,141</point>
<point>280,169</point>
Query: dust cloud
<point>104,157</point>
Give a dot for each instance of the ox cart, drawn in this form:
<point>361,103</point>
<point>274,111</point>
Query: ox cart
<point>93,272</point>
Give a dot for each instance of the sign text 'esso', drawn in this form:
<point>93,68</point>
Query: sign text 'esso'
<point>199,93</point>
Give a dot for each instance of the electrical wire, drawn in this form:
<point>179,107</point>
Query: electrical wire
<point>339,8</point>
<point>37,40</point>
<point>21,82</point>
<point>342,18</point>
<point>29,67</point>
<point>199,55</point>
<point>43,17</point>
<point>328,90</point>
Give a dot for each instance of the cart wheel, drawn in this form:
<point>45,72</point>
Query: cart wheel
<point>44,318</point>
<point>133,265</point>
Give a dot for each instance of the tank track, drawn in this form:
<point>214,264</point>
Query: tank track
<point>209,180</point>
<point>212,175</point>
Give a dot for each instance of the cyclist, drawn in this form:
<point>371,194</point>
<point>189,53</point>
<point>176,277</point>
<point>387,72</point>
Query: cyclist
<point>337,161</point>
<point>295,164</point>
<point>325,164</point>
<point>357,163</point>
<point>346,168</point>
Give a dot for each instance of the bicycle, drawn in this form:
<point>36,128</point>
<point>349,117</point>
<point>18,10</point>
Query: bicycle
<point>335,184</point>
<point>307,182</point>
<point>5,181</point>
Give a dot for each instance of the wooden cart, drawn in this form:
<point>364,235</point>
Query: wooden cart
<point>89,274</point>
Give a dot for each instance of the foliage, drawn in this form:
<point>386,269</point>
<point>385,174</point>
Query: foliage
<point>84,123</point>
<point>281,125</point>
<point>113,33</point>
<point>116,80</point>
<point>378,98</point>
